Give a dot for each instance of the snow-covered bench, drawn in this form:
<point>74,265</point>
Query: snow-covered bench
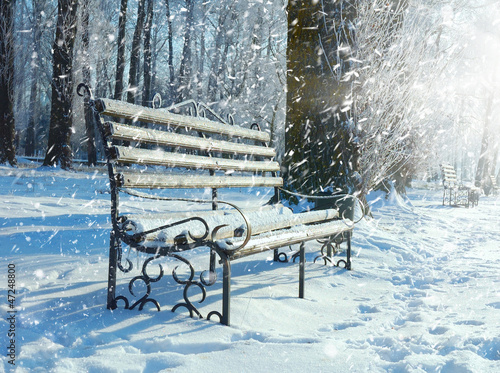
<point>203,153</point>
<point>455,193</point>
<point>494,185</point>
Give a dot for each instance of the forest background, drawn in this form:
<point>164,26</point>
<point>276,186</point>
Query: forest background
<point>354,93</point>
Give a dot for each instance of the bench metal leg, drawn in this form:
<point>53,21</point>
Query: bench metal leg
<point>329,249</point>
<point>226,290</point>
<point>348,254</point>
<point>113,253</point>
<point>213,257</point>
<point>302,270</point>
<point>276,257</point>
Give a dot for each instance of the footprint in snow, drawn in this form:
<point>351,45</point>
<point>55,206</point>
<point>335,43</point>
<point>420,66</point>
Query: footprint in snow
<point>438,330</point>
<point>469,322</point>
<point>367,309</point>
<point>494,305</point>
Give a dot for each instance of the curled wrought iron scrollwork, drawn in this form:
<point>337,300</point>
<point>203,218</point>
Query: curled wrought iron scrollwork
<point>135,240</point>
<point>331,246</point>
<point>187,303</point>
<point>200,110</point>
<point>215,313</point>
<point>86,88</point>
<point>212,278</point>
<point>156,101</point>
<point>248,230</point>
<point>119,260</point>
<point>282,257</point>
<point>147,280</point>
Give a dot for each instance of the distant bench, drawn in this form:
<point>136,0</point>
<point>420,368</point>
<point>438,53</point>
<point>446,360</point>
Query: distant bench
<point>455,193</point>
<point>494,185</point>
<point>204,153</point>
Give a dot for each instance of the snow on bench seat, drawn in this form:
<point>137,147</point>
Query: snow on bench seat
<point>275,239</point>
<point>264,219</point>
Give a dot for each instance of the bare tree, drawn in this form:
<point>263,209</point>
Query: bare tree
<point>146,90</point>
<point>35,70</point>
<point>483,170</point>
<point>89,116</point>
<point>170,62</point>
<point>120,55</point>
<point>186,66</point>
<point>61,114</point>
<point>135,54</point>
<point>400,64</point>
<point>214,77</point>
<point>7,123</point>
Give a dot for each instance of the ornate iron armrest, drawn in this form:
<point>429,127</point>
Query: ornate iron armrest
<point>248,230</point>
<point>140,236</point>
<point>216,229</point>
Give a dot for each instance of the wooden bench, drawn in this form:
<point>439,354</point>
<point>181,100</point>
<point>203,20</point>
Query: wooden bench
<point>455,193</point>
<point>199,152</point>
<point>494,185</point>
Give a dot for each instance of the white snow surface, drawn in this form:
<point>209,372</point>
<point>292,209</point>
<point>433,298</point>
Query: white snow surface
<point>423,294</point>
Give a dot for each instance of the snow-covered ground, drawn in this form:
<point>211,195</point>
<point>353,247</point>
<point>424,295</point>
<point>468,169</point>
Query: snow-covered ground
<point>423,295</point>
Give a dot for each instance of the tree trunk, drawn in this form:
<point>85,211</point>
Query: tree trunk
<point>201,60</point>
<point>213,79</point>
<point>89,115</point>
<point>154,59</point>
<point>120,55</point>
<point>171,92</point>
<point>483,164</point>
<point>34,104</point>
<point>186,68</point>
<point>135,54</point>
<point>7,122</point>
<point>494,159</point>
<point>146,90</point>
<point>61,114</point>
<point>319,148</point>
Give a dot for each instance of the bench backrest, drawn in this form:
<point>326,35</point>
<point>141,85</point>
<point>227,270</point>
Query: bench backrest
<point>449,175</point>
<point>493,181</point>
<point>222,154</point>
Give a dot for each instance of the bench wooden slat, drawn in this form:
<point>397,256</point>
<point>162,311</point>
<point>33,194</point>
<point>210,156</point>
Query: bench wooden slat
<point>151,136</point>
<point>449,175</point>
<point>200,213</point>
<point>120,109</point>
<point>285,221</point>
<point>161,158</point>
<point>135,180</point>
<point>234,219</point>
<point>494,181</point>
<point>290,237</point>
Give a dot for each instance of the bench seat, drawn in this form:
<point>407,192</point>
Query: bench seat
<point>262,220</point>
<point>283,237</point>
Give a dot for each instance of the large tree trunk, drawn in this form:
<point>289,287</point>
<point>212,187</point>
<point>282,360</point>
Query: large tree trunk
<point>61,114</point>
<point>34,116</point>
<point>89,116</point>
<point>213,78</point>
<point>7,123</point>
<point>319,151</point>
<point>135,54</point>
<point>146,90</point>
<point>186,68</point>
<point>171,92</point>
<point>120,56</point>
